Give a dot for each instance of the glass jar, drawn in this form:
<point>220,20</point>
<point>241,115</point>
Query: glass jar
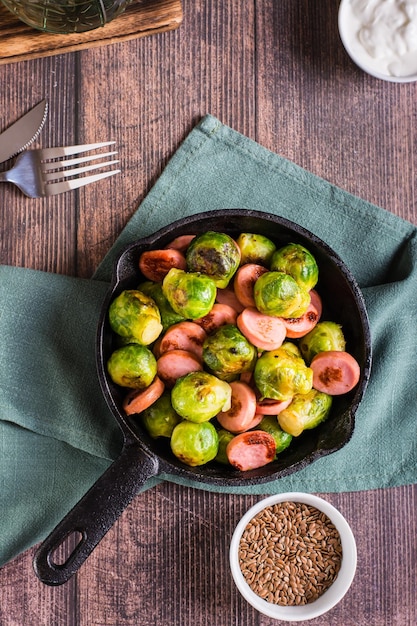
<point>66,16</point>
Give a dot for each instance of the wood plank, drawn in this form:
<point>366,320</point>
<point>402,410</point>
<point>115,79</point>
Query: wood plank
<point>19,42</point>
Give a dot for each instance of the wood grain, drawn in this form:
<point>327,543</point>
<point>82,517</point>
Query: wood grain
<point>19,42</point>
<point>276,72</point>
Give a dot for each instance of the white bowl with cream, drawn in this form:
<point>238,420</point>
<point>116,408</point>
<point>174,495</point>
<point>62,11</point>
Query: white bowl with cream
<point>380,36</point>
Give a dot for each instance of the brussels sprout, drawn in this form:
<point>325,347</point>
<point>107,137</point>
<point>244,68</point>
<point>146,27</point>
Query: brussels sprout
<point>194,444</point>
<point>325,336</point>
<point>224,437</point>
<point>278,294</point>
<point>227,352</point>
<point>168,315</point>
<point>214,254</point>
<point>279,375</point>
<point>132,366</point>
<point>134,314</point>
<point>190,294</point>
<point>292,348</point>
<point>160,418</point>
<point>199,396</point>
<point>298,262</point>
<point>255,248</point>
<point>270,425</point>
<point>306,411</point>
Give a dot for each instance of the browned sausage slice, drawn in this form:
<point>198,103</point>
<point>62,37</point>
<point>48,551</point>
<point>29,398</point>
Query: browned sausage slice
<point>138,401</point>
<point>241,414</point>
<point>219,315</point>
<point>155,264</point>
<point>184,336</point>
<point>245,278</point>
<point>250,450</point>
<point>176,363</point>
<point>335,372</point>
<point>263,331</point>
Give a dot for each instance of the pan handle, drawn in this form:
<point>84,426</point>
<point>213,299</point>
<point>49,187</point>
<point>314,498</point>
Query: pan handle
<point>95,514</point>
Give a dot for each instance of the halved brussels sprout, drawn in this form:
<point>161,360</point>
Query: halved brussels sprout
<point>298,262</point>
<point>134,314</point>
<point>255,248</point>
<point>160,418</point>
<point>132,366</point>
<point>279,375</point>
<point>270,425</point>
<point>199,396</point>
<point>224,437</point>
<point>168,315</point>
<point>194,444</point>
<point>227,352</point>
<point>190,294</point>
<point>214,254</point>
<point>325,336</point>
<point>279,295</point>
<point>306,411</point>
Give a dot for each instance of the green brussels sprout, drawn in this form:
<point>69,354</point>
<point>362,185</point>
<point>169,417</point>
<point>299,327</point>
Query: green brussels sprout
<point>135,315</point>
<point>278,294</point>
<point>270,425</point>
<point>168,315</point>
<point>160,418</point>
<point>190,294</point>
<point>255,248</point>
<point>227,352</point>
<point>292,348</point>
<point>306,411</point>
<point>214,254</point>
<point>224,437</point>
<point>279,375</point>
<point>132,366</point>
<point>199,396</point>
<point>325,336</point>
<point>298,262</point>
<point>194,444</point>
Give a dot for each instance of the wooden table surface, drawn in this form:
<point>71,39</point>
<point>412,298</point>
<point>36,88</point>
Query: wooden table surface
<point>274,70</point>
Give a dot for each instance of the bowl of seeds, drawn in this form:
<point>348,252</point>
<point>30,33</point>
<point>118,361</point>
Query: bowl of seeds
<point>293,556</point>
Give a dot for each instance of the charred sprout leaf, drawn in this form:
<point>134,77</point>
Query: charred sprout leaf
<point>306,411</point>
<point>270,425</point>
<point>194,444</point>
<point>325,336</point>
<point>132,366</point>
<point>214,254</point>
<point>224,437</point>
<point>298,262</point>
<point>190,294</point>
<point>199,396</point>
<point>279,375</point>
<point>160,418</point>
<point>255,248</point>
<point>168,315</point>
<point>134,314</point>
<point>278,294</point>
<point>227,352</point>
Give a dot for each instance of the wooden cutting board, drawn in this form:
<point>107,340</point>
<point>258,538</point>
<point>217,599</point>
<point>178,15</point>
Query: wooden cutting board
<point>19,42</point>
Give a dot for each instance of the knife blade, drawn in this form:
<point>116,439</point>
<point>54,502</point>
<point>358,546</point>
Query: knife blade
<point>22,133</point>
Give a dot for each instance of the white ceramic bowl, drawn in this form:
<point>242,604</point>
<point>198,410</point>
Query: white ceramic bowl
<point>347,29</point>
<point>332,595</point>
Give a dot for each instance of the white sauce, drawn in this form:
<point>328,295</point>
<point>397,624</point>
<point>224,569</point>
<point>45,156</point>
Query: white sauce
<point>382,34</point>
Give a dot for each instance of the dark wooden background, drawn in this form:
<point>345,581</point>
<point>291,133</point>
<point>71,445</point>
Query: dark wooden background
<point>274,70</point>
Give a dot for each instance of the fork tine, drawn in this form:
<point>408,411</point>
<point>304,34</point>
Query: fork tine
<point>76,170</point>
<point>53,189</point>
<point>54,153</point>
<point>54,165</point>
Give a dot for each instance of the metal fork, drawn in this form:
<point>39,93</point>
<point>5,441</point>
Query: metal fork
<point>38,173</point>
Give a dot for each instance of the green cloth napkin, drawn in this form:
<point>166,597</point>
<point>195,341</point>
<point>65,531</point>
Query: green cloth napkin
<point>57,435</point>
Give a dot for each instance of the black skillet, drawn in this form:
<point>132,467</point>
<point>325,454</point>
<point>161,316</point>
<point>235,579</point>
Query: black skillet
<point>143,457</point>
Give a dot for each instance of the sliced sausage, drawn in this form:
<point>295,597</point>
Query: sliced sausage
<point>300,326</point>
<point>176,363</point>
<point>184,336</point>
<point>228,296</point>
<point>155,264</point>
<point>250,450</point>
<point>138,401</point>
<point>272,407</point>
<point>181,243</point>
<point>241,414</point>
<point>219,315</point>
<point>263,331</point>
<point>245,278</point>
<point>335,372</point>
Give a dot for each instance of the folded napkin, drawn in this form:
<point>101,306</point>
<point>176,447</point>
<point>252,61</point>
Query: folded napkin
<point>57,435</point>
